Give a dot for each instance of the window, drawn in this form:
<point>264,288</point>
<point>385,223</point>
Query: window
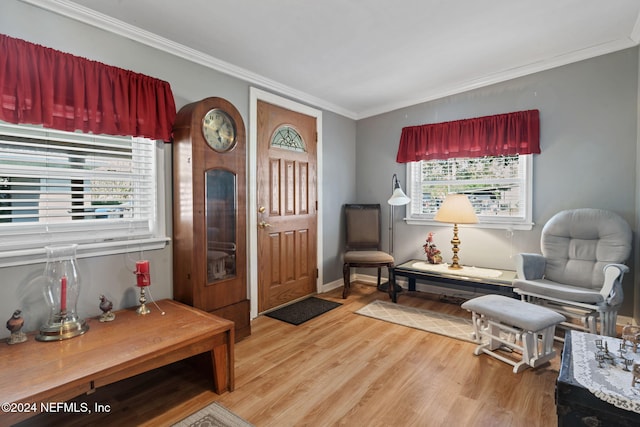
<point>499,188</point>
<point>101,192</point>
<point>288,138</point>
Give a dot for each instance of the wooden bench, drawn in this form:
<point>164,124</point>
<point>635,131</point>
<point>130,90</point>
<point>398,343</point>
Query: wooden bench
<point>36,373</point>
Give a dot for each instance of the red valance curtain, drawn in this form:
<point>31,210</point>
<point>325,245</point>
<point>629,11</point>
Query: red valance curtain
<point>39,85</point>
<point>502,134</point>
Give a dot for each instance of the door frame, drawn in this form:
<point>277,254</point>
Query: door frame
<point>256,95</point>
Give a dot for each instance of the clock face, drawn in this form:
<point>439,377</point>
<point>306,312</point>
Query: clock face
<point>219,130</point>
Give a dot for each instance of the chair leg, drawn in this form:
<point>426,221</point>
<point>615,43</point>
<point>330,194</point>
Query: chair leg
<point>345,276</point>
<point>608,323</point>
<point>379,278</point>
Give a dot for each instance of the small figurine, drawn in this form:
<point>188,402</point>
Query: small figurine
<point>636,374</point>
<point>14,325</point>
<point>433,253</point>
<point>106,306</point>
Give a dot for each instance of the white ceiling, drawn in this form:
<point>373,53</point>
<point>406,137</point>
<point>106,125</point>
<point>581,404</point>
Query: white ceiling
<point>363,57</point>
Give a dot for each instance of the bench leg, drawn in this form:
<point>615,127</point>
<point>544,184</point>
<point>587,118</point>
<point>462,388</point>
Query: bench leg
<point>538,356</point>
<point>535,351</point>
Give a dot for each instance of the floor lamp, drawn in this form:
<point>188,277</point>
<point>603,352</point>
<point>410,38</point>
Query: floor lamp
<point>398,198</point>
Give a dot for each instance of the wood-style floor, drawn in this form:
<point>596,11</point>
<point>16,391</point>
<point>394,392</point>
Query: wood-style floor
<point>340,369</point>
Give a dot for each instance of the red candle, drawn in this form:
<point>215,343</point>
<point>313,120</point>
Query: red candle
<point>142,273</point>
<point>63,294</point>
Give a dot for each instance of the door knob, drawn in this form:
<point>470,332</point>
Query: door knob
<point>263,224</point>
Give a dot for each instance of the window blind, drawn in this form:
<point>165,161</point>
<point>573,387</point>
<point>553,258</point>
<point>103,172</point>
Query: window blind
<point>496,186</point>
<point>64,187</point>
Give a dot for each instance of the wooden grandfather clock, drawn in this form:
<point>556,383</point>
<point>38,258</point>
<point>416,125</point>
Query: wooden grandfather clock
<point>209,211</point>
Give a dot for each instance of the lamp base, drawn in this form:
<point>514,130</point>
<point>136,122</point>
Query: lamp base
<point>59,331</point>
<point>142,309</point>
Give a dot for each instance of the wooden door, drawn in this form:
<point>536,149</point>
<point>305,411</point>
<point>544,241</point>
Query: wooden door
<point>287,205</point>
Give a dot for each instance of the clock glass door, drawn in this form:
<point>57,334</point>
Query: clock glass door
<point>221,242</point>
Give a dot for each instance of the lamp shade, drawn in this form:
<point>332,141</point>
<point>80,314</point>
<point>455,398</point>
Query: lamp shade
<point>398,198</point>
<point>456,209</point>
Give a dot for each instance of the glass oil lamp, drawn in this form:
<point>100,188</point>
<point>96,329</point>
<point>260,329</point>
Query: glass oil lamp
<point>61,294</point>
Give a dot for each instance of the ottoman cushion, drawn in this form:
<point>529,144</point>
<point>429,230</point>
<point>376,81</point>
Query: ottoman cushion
<point>526,316</point>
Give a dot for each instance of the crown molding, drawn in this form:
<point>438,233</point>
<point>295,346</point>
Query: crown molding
<point>91,17</point>
<point>104,22</point>
<point>505,75</point>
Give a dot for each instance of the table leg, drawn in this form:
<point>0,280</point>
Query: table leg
<point>223,364</point>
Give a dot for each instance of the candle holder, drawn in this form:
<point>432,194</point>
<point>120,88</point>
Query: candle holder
<point>61,294</point>
<point>143,279</point>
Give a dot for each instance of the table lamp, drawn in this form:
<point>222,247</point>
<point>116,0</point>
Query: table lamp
<point>456,209</point>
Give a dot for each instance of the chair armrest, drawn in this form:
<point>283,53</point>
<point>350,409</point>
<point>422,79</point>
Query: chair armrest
<point>530,266</point>
<point>612,289</point>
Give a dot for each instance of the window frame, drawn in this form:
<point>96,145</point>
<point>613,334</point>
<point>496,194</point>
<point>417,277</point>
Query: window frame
<point>155,238</point>
<point>505,223</point>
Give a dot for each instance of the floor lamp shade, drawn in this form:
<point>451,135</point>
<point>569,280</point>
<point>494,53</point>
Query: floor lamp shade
<point>456,209</point>
<point>398,198</point>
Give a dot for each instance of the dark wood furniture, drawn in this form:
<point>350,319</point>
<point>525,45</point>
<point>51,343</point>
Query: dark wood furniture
<point>209,213</point>
<point>420,271</point>
<point>577,406</point>
<point>37,372</point>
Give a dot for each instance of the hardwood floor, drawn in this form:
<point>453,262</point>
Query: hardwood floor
<point>341,369</point>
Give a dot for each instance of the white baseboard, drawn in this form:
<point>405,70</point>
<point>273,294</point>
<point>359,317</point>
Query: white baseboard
<point>331,285</point>
<point>437,290</point>
<point>623,320</point>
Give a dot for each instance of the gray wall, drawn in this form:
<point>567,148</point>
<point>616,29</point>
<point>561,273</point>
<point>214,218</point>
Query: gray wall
<point>111,275</point>
<point>588,119</point>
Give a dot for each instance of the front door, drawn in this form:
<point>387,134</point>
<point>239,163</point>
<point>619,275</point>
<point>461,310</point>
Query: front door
<point>287,205</point>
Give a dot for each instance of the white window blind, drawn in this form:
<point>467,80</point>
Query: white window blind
<point>61,187</point>
<point>499,187</point>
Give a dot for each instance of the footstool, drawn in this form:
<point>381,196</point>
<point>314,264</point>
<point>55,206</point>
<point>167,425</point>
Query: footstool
<point>500,321</point>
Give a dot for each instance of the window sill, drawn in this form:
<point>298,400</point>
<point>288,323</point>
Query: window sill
<point>495,225</point>
<point>38,255</point>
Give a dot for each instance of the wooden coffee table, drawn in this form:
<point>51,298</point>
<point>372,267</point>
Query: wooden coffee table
<point>34,374</point>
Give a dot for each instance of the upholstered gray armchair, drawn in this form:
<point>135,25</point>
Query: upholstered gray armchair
<point>580,271</point>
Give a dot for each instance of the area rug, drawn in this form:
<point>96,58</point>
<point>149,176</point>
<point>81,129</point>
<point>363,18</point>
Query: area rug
<point>301,311</point>
<point>214,415</point>
<point>443,324</point>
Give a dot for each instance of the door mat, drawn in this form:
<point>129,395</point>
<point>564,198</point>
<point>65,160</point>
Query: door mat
<point>214,415</point>
<point>426,320</point>
<point>301,311</point>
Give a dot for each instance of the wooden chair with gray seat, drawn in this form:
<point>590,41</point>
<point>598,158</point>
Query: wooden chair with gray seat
<point>363,245</point>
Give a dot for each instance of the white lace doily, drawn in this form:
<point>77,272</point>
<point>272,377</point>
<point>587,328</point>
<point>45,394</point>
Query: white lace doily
<point>610,383</point>
<point>486,273</point>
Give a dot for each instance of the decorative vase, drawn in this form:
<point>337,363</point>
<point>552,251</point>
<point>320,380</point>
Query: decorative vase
<point>61,294</point>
